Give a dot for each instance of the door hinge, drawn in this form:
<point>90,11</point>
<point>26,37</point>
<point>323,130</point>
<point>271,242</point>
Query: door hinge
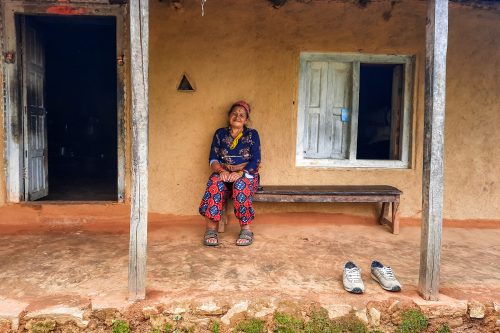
<point>25,173</point>
<point>120,60</point>
<point>9,57</point>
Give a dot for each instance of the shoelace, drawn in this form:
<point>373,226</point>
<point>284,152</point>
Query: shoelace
<point>388,273</point>
<point>353,274</point>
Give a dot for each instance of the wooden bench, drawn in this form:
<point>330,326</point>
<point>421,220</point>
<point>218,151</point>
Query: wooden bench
<point>353,193</point>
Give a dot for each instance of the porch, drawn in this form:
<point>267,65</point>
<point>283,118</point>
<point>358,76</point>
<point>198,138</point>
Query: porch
<point>82,263</point>
<point>428,125</point>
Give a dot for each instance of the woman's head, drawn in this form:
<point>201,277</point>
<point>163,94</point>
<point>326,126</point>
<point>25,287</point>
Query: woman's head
<point>239,114</point>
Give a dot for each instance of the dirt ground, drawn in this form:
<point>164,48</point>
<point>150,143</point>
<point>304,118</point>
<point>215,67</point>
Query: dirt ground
<point>298,255</point>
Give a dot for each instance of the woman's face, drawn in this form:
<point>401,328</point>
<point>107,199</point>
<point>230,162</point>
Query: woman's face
<point>238,117</point>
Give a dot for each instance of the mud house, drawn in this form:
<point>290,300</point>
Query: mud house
<point>338,90</point>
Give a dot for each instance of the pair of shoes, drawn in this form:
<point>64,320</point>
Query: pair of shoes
<point>245,235</point>
<point>380,273</point>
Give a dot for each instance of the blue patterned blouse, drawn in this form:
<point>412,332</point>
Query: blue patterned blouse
<point>247,149</point>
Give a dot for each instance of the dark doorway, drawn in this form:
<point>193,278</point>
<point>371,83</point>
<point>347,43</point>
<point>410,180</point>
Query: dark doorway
<point>81,104</point>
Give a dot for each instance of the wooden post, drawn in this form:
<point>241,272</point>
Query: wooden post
<point>432,187</point>
<point>139,13</point>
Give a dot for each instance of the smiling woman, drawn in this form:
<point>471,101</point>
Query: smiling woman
<point>234,159</point>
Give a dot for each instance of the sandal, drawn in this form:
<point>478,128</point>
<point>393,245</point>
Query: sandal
<point>246,235</point>
<point>209,234</point>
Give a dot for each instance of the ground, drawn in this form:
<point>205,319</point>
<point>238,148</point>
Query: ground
<point>73,260</point>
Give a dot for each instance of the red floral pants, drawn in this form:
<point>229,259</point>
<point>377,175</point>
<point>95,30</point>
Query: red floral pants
<point>217,192</point>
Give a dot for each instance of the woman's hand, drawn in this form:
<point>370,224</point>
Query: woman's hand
<point>224,176</point>
<point>230,177</point>
<point>234,176</point>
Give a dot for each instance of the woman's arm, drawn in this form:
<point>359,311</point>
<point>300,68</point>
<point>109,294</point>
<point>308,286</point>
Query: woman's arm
<point>214,149</point>
<point>254,162</point>
<point>214,159</point>
<point>217,167</point>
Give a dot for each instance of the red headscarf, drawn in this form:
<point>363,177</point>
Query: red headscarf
<point>244,105</point>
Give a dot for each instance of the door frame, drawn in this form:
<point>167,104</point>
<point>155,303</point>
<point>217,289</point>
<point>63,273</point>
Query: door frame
<point>13,116</point>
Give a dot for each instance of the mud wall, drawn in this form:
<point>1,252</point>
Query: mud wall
<point>250,50</point>
<point>472,151</point>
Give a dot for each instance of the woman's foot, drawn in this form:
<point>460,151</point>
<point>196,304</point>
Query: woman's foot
<point>245,238</point>
<point>211,237</point>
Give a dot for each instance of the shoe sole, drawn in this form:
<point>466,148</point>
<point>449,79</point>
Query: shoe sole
<point>247,244</point>
<point>355,290</point>
<point>394,289</point>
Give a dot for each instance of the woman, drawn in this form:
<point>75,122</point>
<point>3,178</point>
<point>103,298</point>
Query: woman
<point>234,159</point>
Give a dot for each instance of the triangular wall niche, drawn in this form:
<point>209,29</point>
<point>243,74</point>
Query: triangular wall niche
<point>185,85</point>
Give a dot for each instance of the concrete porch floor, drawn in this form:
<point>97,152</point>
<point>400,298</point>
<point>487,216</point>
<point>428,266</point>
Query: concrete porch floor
<point>294,256</point>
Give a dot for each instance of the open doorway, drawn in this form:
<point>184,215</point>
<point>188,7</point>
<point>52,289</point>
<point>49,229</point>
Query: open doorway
<point>70,94</point>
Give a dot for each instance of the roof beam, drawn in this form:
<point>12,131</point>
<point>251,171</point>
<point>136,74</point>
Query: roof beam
<point>493,5</point>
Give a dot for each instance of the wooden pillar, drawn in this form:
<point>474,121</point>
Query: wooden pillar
<point>139,30</point>
<point>432,189</point>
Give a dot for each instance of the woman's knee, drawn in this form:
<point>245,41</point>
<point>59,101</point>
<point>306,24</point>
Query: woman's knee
<point>241,184</point>
<point>216,185</point>
<point>215,177</point>
<point>242,198</point>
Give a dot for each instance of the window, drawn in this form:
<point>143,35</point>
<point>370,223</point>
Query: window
<point>354,110</point>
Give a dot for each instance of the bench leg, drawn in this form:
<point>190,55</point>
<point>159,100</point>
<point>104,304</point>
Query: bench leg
<point>394,221</point>
<point>395,218</point>
<point>224,218</point>
<point>383,213</point>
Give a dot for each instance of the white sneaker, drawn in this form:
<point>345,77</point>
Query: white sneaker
<point>352,278</point>
<point>384,276</point>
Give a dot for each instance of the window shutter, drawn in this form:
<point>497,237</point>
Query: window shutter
<point>316,94</point>
<point>328,90</point>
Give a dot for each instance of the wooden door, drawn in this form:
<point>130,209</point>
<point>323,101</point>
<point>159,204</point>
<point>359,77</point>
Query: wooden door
<point>35,118</point>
